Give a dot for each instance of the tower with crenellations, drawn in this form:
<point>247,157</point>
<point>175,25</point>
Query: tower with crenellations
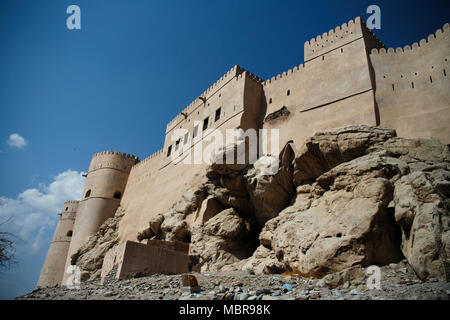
<point>53,268</point>
<point>105,184</point>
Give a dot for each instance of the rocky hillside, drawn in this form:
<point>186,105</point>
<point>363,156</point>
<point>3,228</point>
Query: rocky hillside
<point>355,196</point>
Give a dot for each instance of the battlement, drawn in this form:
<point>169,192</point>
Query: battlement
<point>284,74</point>
<point>70,206</point>
<point>113,159</point>
<point>121,154</point>
<point>439,34</point>
<point>341,35</point>
<point>152,156</point>
<point>234,72</point>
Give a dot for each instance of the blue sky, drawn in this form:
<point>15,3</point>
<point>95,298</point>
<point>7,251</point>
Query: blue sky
<point>134,65</point>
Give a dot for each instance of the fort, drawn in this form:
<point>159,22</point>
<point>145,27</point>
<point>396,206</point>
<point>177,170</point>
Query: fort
<point>348,77</point>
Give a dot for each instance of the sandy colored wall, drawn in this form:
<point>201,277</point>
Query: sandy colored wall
<point>53,268</point>
<point>157,183</point>
<point>413,87</point>
<point>330,90</point>
<point>107,175</point>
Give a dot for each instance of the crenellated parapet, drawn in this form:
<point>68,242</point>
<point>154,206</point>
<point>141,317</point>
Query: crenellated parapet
<point>284,74</point>
<point>113,160</point>
<point>149,158</point>
<point>438,35</point>
<point>226,78</point>
<point>333,39</point>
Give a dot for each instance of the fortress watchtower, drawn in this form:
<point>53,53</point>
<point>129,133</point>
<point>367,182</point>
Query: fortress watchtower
<point>53,268</point>
<point>105,184</point>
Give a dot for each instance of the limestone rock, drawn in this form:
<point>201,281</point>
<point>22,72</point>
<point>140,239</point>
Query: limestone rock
<point>224,239</point>
<point>174,227</point>
<point>326,150</point>
<point>353,275</point>
<point>263,261</point>
<point>90,256</point>
<point>269,194</point>
<point>422,211</point>
<point>225,160</point>
<point>348,222</point>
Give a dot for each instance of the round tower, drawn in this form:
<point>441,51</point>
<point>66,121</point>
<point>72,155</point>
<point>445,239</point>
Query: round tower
<point>105,184</point>
<point>53,268</point>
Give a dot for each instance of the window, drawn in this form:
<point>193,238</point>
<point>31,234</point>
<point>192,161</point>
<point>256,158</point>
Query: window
<point>117,195</point>
<point>205,123</point>
<point>67,208</point>
<point>217,114</point>
<point>288,92</point>
<point>177,144</point>
<point>195,131</point>
<point>88,193</point>
<point>69,233</point>
<point>169,151</point>
<point>186,137</point>
<point>270,100</point>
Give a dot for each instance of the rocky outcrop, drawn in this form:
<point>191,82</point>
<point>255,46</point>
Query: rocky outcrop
<point>363,197</point>
<point>325,150</point>
<point>89,258</point>
<point>224,239</point>
<point>422,210</point>
<point>352,197</point>
<point>269,194</point>
<point>344,221</point>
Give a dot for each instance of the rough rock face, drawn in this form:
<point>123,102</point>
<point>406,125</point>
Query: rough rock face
<point>269,194</point>
<point>422,211</point>
<point>326,150</point>
<point>224,239</point>
<point>90,256</point>
<point>357,188</point>
<point>344,221</point>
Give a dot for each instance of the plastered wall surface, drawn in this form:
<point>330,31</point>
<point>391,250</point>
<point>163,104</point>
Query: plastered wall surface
<point>53,268</point>
<point>412,87</point>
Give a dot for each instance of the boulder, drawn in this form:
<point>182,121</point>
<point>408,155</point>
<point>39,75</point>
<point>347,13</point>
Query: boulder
<point>269,194</point>
<point>347,223</point>
<point>89,258</point>
<point>224,239</point>
<point>325,150</point>
<point>422,211</point>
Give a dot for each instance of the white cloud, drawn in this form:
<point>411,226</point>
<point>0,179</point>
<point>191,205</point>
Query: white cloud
<point>34,211</point>
<point>16,140</point>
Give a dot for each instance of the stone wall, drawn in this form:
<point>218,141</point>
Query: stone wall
<point>412,87</point>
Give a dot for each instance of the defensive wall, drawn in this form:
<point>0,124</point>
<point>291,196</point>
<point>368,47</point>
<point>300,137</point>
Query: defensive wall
<point>412,87</point>
<point>53,269</point>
